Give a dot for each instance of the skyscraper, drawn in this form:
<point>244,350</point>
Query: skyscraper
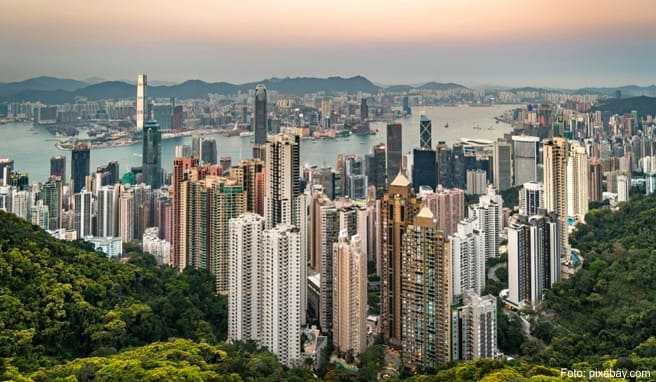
<point>531,198</point>
<point>260,117</point>
<point>6,167</point>
<point>282,168</point>
<point>555,153</point>
<point>398,209</point>
<point>447,205</point>
<point>281,318</point>
<point>181,172</point>
<point>208,151</point>
<point>577,183</point>
<point>468,258</point>
<point>474,328</point>
<point>126,216</point>
<point>58,167</point>
<point>595,180</point>
<point>364,110</point>
<point>426,291</point>
<point>246,283</point>
<point>490,220</point>
<point>376,169</point>
<point>80,166</point>
<point>142,101</point>
<point>51,194</point>
<point>502,165</point>
<point>394,149</point>
<point>107,212</point>
<point>424,168</point>
<point>533,257</point>
<point>83,214</point>
<point>152,155</point>
<point>247,172</point>
<point>425,133</point>
<point>525,159</point>
<point>349,295</point>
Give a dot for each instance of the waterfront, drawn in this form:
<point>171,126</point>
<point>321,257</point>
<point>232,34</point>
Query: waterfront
<point>31,147</point>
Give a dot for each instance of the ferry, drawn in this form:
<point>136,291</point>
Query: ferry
<point>246,134</point>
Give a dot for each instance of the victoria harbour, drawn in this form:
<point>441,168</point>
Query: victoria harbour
<point>32,146</point>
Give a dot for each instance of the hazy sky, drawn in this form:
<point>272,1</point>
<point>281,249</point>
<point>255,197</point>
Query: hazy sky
<point>508,42</point>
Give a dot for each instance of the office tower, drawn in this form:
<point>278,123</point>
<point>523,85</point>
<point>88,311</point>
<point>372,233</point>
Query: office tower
<point>260,117</point>
<point>376,169</point>
<point>208,151</point>
<point>364,110</point>
<point>163,114</point>
<point>177,120</point>
<point>152,155</point>
<point>83,214</point>
<point>281,318</point>
<point>468,258</point>
<point>51,194</point>
<point>18,180</point>
<point>444,165</point>
<point>405,105</point>
<point>490,220</point>
<point>6,168</point>
<point>39,215</point>
<point>476,182</point>
<point>474,328</point>
<point>282,169</point>
<point>426,291</point>
<point>246,270</point>
<point>555,152</point>
<point>425,133</point>
<point>80,166</point>
<point>58,166</point>
<point>525,159</point>
<point>531,198</point>
<point>182,169</point>
<point>143,209</point>
<point>424,168</point>
<point>447,205</point>
<point>356,181</point>
<point>107,212</point>
<point>623,187</point>
<point>533,257</point>
<point>142,102</point>
<point>349,295</point>
<point>458,169</point>
<point>502,165</point>
<point>225,163</point>
<point>394,149</point>
<point>577,183</point>
<point>398,209</point>
<point>106,175</point>
<point>195,146</point>
<point>126,215</point>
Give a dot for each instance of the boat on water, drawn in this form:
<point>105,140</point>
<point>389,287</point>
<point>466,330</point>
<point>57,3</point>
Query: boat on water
<point>446,126</point>
<point>246,134</point>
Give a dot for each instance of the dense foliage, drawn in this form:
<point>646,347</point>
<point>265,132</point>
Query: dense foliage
<point>61,300</point>
<point>608,309</point>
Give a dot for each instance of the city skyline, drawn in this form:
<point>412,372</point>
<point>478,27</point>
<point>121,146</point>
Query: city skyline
<point>503,43</point>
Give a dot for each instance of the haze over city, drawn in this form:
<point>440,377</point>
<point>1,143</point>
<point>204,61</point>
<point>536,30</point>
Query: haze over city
<point>549,43</point>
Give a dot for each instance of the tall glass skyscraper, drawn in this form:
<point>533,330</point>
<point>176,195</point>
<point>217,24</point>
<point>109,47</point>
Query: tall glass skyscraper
<point>80,166</point>
<point>260,122</point>
<point>142,101</point>
<point>152,154</point>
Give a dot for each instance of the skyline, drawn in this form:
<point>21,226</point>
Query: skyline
<point>478,43</point>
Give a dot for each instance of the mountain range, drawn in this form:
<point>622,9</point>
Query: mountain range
<point>52,90</point>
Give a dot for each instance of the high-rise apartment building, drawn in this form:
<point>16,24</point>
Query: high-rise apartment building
<point>126,216</point>
<point>468,258</point>
<point>533,257</point>
<point>426,294</point>
<point>595,180</point>
<point>183,167</point>
<point>208,151</point>
<point>107,212</point>
<point>577,183</point>
<point>398,209</point>
<point>474,328</point>
<point>51,194</point>
<point>447,205</point>
<point>282,169</point>
<point>490,220</point>
<point>555,153</point>
<point>281,293</point>
<point>246,278</point>
<point>531,198</point>
<point>349,295</point>
<point>83,202</point>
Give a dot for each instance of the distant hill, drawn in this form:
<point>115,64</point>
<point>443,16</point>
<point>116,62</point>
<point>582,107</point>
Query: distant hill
<point>643,105</point>
<point>627,91</point>
<point>441,86</point>
<point>40,84</point>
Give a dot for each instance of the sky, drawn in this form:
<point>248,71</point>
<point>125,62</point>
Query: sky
<point>556,43</point>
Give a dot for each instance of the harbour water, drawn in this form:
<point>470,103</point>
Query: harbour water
<point>31,146</point>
